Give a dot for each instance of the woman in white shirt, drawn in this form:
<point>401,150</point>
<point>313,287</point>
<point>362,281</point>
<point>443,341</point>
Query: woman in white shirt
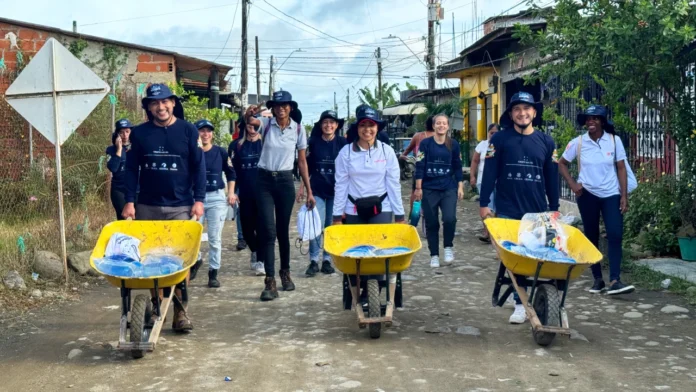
<point>367,189</point>
<point>476,173</point>
<point>601,188</point>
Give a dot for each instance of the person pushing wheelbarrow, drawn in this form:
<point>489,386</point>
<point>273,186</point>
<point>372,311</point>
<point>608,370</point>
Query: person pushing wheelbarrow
<point>169,167</point>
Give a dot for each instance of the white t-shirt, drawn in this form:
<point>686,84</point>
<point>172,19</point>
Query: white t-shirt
<point>280,146</point>
<point>481,149</point>
<point>597,163</point>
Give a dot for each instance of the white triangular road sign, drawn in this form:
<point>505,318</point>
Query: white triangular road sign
<point>78,90</point>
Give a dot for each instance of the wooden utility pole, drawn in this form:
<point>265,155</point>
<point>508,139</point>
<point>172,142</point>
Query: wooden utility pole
<point>245,80</point>
<point>270,80</point>
<point>379,78</point>
<point>335,104</point>
<point>258,73</point>
<point>347,103</point>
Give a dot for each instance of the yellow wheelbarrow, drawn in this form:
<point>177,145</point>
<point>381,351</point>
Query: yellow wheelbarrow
<point>179,238</point>
<point>338,239</point>
<point>549,280</point>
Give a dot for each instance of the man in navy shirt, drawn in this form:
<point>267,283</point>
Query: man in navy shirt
<point>172,172</point>
<point>521,165</point>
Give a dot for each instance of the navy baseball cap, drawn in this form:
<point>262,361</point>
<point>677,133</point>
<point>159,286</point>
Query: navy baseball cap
<point>203,124</point>
<point>122,124</point>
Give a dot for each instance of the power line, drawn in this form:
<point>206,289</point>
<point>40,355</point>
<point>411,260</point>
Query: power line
<point>153,16</point>
<point>230,33</point>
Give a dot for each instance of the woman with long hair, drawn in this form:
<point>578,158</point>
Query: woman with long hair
<point>600,189</point>
<point>244,152</point>
<point>275,191</point>
<point>439,183</point>
<point>116,163</point>
<point>324,146</point>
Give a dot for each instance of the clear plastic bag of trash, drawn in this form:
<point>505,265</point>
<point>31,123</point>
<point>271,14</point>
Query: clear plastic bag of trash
<point>122,245</point>
<point>309,223</point>
<point>541,253</point>
<point>397,250</point>
<point>360,251</point>
<point>543,230</point>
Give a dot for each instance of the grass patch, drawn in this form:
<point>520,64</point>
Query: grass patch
<point>645,278</point>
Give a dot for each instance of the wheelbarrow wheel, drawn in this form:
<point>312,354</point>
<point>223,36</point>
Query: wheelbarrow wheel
<point>547,305</point>
<point>141,313</point>
<point>374,309</point>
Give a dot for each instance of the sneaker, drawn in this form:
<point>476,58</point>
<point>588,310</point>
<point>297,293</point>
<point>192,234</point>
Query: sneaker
<point>270,292</point>
<point>434,261</point>
<point>449,256</point>
<point>194,269</point>
<point>253,260</point>
<point>619,288</point>
<point>312,269</point>
<point>213,283</point>
<point>285,281</point>
<point>598,286</point>
<point>519,316</point>
<point>259,268</point>
<point>327,268</point>
<point>241,244</point>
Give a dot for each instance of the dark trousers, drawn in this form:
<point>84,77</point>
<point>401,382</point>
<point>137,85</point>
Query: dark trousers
<point>433,202</point>
<point>248,216</point>
<point>591,207</point>
<point>275,194</point>
<point>118,200</point>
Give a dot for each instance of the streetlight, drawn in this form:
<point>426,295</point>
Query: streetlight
<point>274,76</point>
<point>408,47</point>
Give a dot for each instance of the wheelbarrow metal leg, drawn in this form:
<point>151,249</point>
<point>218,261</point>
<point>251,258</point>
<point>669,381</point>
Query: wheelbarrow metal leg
<point>125,308</point>
<point>533,318</point>
<point>386,266</point>
<point>498,285</point>
<point>565,286</point>
<point>157,298</point>
<point>536,279</point>
<point>355,293</point>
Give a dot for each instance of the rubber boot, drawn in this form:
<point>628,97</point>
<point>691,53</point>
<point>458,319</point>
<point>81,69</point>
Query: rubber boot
<point>213,283</point>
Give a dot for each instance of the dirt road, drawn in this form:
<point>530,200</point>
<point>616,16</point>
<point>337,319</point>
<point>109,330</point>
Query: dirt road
<point>447,338</point>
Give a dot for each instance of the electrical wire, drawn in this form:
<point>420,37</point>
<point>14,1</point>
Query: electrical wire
<point>230,33</point>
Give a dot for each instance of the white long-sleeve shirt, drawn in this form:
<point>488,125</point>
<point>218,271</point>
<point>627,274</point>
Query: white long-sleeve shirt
<point>365,173</point>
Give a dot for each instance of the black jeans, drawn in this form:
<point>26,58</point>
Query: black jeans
<point>590,207</point>
<point>275,194</point>
<point>446,201</point>
<point>248,216</point>
<point>118,200</point>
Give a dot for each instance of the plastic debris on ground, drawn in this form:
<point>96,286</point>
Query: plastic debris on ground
<point>542,253</point>
<point>371,251</point>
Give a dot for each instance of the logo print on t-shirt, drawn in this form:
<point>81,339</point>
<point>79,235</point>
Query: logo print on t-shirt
<point>490,152</point>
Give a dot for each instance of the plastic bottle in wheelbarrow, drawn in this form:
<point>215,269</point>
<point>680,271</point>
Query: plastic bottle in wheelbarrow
<point>156,265</point>
<point>118,266</point>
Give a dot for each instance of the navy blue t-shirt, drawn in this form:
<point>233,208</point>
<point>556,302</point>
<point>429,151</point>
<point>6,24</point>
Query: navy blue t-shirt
<point>117,166</point>
<point>216,163</point>
<point>245,160</point>
<point>440,168</point>
<point>321,164</point>
<point>171,165</point>
<point>524,172</point>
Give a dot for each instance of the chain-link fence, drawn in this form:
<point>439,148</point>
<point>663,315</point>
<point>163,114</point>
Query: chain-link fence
<point>28,189</point>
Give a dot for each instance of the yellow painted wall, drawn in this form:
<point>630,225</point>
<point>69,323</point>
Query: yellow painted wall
<point>471,83</point>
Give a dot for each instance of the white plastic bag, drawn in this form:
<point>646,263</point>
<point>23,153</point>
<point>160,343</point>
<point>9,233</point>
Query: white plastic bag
<point>543,230</point>
<point>123,245</point>
<point>309,223</point>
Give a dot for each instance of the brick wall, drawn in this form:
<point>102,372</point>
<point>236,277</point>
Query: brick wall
<point>141,68</point>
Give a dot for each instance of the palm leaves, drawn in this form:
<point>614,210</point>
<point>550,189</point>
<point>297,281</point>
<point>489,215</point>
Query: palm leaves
<point>371,98</point>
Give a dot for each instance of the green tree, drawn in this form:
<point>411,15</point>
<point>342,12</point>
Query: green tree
<point>410,86</point>
<point>196,108</point>
<point>371,98</point>
<point>634,50</point>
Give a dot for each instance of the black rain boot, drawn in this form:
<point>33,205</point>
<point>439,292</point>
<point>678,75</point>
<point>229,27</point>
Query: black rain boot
<point>213,283</point>
<point>194,269</point>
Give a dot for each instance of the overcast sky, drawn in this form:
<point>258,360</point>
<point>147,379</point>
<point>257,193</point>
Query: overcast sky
<point>201,29</point>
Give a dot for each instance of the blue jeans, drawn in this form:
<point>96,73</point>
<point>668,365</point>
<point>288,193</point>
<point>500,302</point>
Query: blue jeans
<point>325,207</point>
<point>591,207</point>
<point>515,296</point>
<point>215,207</point>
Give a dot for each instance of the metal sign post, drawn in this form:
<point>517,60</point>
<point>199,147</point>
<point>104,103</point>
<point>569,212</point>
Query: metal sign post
<point>55,93</point>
